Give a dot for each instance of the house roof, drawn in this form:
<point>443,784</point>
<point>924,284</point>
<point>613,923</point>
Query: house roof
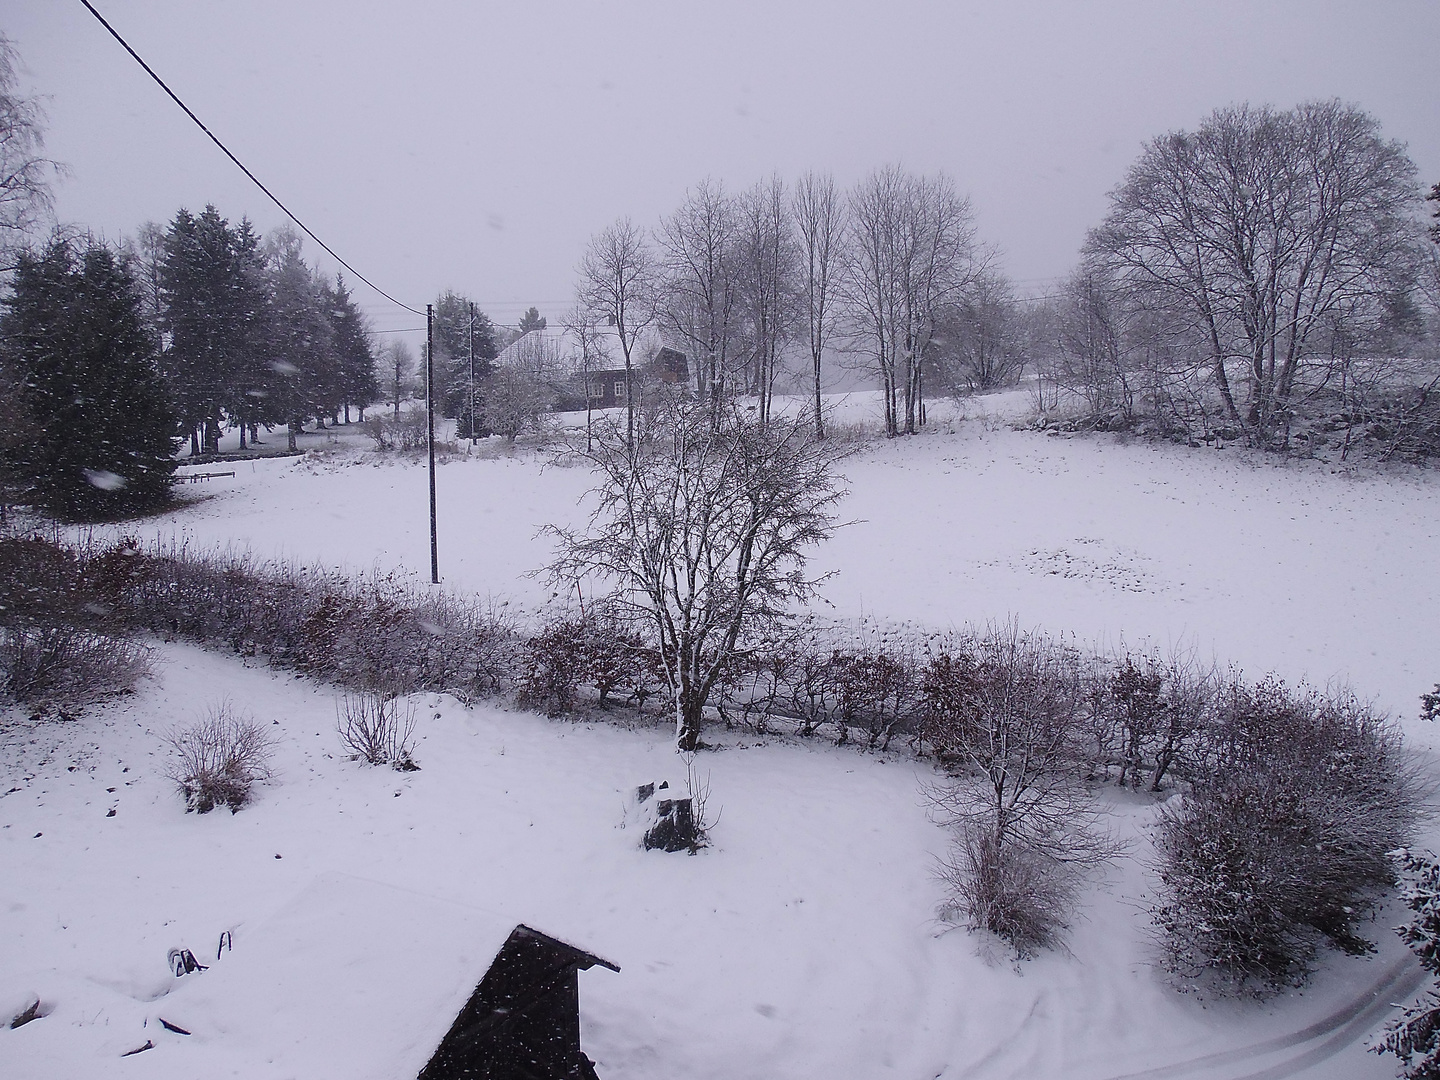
<point>352,980</point>
<point>566,345</point>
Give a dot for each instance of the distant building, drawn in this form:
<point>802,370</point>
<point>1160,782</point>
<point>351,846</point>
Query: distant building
<point>555,356</point>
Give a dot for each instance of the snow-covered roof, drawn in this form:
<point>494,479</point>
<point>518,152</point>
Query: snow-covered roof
<point>564,345</point>
<point>352,980</point>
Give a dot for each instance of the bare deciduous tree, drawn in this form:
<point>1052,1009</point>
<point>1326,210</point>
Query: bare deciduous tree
<point>978,338</point>
<point>767,267</point>
<point>617,284</point>
<point>1260,227</point>
<point>820,218</point>
<point>701,532</point>
<point>1007,712</point>
<point>592,354</point>
<point>702,285</point>
<point>911,249</point>
<point>24,174</point>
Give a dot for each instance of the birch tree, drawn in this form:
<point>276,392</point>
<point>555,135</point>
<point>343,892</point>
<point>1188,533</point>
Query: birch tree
<point>820,220</point>
<point>701,305</point>
<point>768,265</point>
<point>911,248</point>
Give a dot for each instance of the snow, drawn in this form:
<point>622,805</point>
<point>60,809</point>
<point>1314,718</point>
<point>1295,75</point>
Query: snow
<point>808,940</point>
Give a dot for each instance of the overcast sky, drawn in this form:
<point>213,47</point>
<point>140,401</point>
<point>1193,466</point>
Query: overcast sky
<point>477,146</point>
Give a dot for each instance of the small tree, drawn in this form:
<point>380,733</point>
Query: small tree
<point>702,529</point>
<point>103,433</point>
<point>1007,717</point>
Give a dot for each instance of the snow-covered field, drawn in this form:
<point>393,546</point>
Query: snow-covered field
<point>806,942</point>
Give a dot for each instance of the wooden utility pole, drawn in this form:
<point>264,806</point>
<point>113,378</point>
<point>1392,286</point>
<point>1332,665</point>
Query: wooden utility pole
<point>430,433</point>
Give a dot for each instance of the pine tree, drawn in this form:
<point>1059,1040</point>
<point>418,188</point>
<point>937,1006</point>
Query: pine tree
<point>213,295</point>
<point>452,357</point>
<point>359,386</point>
<point>102,428</point>
<point>301,340</point>
<point>532,320</point>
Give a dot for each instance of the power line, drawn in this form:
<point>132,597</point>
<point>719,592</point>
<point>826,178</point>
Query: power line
<point>239,164</point>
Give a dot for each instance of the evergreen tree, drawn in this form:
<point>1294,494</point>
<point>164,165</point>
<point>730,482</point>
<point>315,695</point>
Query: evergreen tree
<point>301,340</point>
<point>213,295</point>
<point>358,383</point>
<point>532,320</point>
<point>102,429</point>
<point>452,358</point>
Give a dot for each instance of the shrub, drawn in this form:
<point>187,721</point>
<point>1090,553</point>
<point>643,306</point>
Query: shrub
<point>554,662</point>
<point>1416,1034</point>
<point>66,666</point>
<point>1007,718</point>
<point>378,730</point>
<point>220,758</point>
<point>1020,894</point>
<point>1281,842</point>
<point>408,431</point>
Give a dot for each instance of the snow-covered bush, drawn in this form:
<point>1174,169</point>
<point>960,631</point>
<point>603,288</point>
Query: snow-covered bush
<point>66,666</point>
<point>1006,716</point>
<point>1415,1037</point>
<point>407,431</point>
<point>554,664</point>
<point>378,730</point>
<point>1156,709</point>
<point>220,758</point>
<point>384,633</point>
<point>1295,798</point>
<point>58,644</point>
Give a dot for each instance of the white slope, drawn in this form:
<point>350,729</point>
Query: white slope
<point>1248,559</point>
<point>805,943</point>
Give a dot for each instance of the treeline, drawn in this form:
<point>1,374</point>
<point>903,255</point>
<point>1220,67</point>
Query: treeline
<point>891,272</point>
<point>249,335</point>
<point>1266,277</point>
<point>109,354</point>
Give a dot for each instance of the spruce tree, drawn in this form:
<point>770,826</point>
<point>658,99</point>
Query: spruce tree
<point>358,383</point>
<point>301,338</point>
<point>212,291</point>
<point>452,358</point>
<point>101,426</point>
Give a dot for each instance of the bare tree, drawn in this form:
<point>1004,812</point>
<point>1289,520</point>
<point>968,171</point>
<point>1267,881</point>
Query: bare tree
<point>1259,227</point>
<point>767,266</point>
<point>911,249</point>
<point>25,175</point>
<point>593,353</point>
<point>1007,714</point>
<point>398,365</point>
<point>702,285</point>
<point>617,284</point>
<point>820,218</point>
<point>978,337</point>
<point>701,531</point>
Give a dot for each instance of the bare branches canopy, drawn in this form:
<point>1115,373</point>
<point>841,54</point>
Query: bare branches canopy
<point>1262,233</point>
<point>701,533</point>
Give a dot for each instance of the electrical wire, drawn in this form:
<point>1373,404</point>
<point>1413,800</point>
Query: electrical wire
<point>239,164</point>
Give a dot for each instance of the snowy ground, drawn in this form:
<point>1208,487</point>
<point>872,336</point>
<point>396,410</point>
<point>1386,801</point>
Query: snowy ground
<point>806,942</point>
